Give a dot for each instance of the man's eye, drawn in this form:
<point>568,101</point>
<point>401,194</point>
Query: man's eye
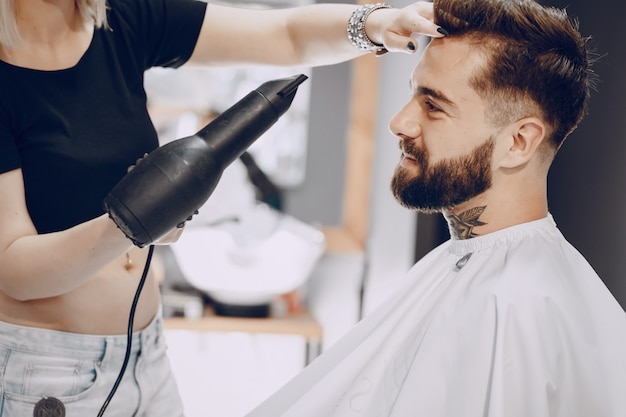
<point>431,107</point>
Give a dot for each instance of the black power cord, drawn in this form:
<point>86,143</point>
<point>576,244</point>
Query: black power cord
<point>129,334</point>
<point>268,191</point>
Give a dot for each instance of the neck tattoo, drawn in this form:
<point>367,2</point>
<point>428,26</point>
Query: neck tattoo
<point>462,225</point>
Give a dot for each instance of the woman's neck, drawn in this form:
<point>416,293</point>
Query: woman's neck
<point>42,22</point>
<point>53,35</point>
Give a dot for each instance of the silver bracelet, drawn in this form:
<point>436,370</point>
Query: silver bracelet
<point>356,28</point>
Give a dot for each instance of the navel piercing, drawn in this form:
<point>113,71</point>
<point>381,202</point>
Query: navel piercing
<point>129,262</point>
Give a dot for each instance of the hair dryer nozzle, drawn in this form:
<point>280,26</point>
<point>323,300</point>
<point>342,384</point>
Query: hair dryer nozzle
<point>280,93</point>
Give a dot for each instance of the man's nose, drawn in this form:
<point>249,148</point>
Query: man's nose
<point>405,124</point>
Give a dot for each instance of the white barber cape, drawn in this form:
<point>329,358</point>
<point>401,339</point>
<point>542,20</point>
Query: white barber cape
<point>515,323</point>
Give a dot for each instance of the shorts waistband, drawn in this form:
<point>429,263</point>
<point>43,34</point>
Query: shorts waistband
<point>38,340</point>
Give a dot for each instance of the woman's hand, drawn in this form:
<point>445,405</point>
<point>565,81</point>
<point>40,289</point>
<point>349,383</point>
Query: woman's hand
<point>397,29</point>
<point>170,237</point>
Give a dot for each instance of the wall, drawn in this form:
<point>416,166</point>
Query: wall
<point>318,199</point>
<point>586,183</point>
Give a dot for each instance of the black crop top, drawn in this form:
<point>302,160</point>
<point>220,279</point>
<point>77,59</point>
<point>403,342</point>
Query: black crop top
<point>75,132</point>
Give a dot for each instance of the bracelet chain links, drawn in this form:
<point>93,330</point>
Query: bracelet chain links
<point>356,28</point>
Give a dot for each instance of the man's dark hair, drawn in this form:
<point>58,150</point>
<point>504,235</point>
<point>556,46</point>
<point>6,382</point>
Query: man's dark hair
<point>536,59</point>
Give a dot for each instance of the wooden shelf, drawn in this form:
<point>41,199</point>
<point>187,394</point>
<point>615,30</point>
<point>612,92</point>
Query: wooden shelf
<point>300,324</point>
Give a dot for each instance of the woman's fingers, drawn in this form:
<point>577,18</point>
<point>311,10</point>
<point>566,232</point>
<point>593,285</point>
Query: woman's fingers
<point>398,29</point>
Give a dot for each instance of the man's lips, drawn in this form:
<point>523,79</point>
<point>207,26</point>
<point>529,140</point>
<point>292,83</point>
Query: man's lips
<point>407,160</point>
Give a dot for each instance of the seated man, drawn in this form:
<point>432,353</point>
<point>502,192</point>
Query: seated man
<point>506,318</point>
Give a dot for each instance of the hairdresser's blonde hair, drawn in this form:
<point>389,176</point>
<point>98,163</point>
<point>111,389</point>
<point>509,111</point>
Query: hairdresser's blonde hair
<point>92,11</point>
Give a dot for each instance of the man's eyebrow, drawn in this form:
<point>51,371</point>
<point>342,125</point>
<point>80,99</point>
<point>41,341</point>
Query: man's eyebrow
<point>436,94</point>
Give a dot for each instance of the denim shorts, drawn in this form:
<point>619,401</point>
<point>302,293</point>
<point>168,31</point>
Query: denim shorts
<point>80,371</point>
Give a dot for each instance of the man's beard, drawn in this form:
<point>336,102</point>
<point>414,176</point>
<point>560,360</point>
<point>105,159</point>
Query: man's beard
<point>445,184</point>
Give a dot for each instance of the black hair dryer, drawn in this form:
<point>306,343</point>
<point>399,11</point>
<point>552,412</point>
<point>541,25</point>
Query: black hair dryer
<point>169,185</point>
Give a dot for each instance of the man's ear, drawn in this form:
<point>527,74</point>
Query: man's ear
<point>523,140</point>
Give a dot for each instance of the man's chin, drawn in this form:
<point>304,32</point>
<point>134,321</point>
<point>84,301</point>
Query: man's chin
<point>405,175</point>
<point>420,208</point>
<point>412,203</point>
<point>419,200</point>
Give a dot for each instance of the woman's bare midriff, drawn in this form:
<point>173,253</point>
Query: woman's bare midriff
<point>99,307</point>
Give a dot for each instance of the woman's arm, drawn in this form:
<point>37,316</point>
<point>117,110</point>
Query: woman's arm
<point>309,36</point>
<point>36,266</point>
